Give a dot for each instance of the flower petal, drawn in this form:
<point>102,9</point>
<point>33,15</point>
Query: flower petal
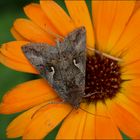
<point>89,127</point>
<point>129,105</point>
<point>80,15</point>
<point>124,120</point>
<point>132,68</point>
<point>134,50</point>
<point>137,6</point>
<point>130,34</point>
<point>111,131</point>
<point>46,120</point>
<point>17,127</point>
<point>16,35</point>
<point>57,16</point>
<point>32,32</point>
<point>131,89</point>
<point>74,124</point>
<point>26,95</point>
<point>36,14</point>
<point>81,126</point>
<point>110,18</point>
<point>9,52</point>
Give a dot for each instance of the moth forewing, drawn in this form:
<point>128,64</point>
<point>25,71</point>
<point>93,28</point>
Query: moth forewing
<point>57,66</point>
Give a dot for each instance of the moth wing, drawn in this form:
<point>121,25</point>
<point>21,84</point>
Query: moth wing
<point>77,44</point>
<point>74,46</point>
<point>76,41</point>
<point>77,38</point>
<point>42,57</point>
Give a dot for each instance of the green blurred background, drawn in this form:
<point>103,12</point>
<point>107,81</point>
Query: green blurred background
<point>9,11</point>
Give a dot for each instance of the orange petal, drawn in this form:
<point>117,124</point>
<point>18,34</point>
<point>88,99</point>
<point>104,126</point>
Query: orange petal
<point>130,34</point>
<point>32,32</point>
<point>16,35</point>
<point>129,105</point>
<point>110,130</point>
<point>110,18</point>
<point>89,127</point>
<point>12,56</point>
<point>79,13</point>
<point>57,16</point>
<point>46,120</point>
<point>134,82</point>
<point>131,91</point>
<point>81,127</point>
<point>17,127</point>
<point>74,123</point>
<point>13,50</point>
<point>137,6</point>
<point>132,68</point>
<point>16,65</point>
<point>36,14</point>
<point>132,54</point>
<point>124,120</point>
<point>126,77</point>
<point>26,95</point>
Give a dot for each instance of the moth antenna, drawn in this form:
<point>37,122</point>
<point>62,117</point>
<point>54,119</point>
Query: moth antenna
<point>50,102</point>
<point>55,34</point>
<point>104,54</point>
<point>53,102</point>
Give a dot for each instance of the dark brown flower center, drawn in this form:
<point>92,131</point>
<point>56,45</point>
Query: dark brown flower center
<point>103,78</point>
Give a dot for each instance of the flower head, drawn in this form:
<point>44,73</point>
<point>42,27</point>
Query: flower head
<point>112,72</point>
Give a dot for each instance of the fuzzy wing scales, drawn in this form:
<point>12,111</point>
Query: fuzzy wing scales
<point>42,57</point>
<point>74,50</point>
<point>63,66</point>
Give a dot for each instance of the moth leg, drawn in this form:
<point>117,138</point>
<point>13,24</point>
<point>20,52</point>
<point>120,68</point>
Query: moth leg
<point>90,94</point>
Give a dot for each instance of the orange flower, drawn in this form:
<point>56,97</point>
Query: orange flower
<point>116,40</point>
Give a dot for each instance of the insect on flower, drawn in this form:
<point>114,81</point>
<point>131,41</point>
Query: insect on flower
<point>98,58</point>
<point>63,66</point>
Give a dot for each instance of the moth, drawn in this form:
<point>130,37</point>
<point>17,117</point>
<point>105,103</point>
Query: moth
<point>63,65</point>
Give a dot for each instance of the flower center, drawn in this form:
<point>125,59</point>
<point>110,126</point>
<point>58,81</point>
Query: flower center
<point>103,78</point>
